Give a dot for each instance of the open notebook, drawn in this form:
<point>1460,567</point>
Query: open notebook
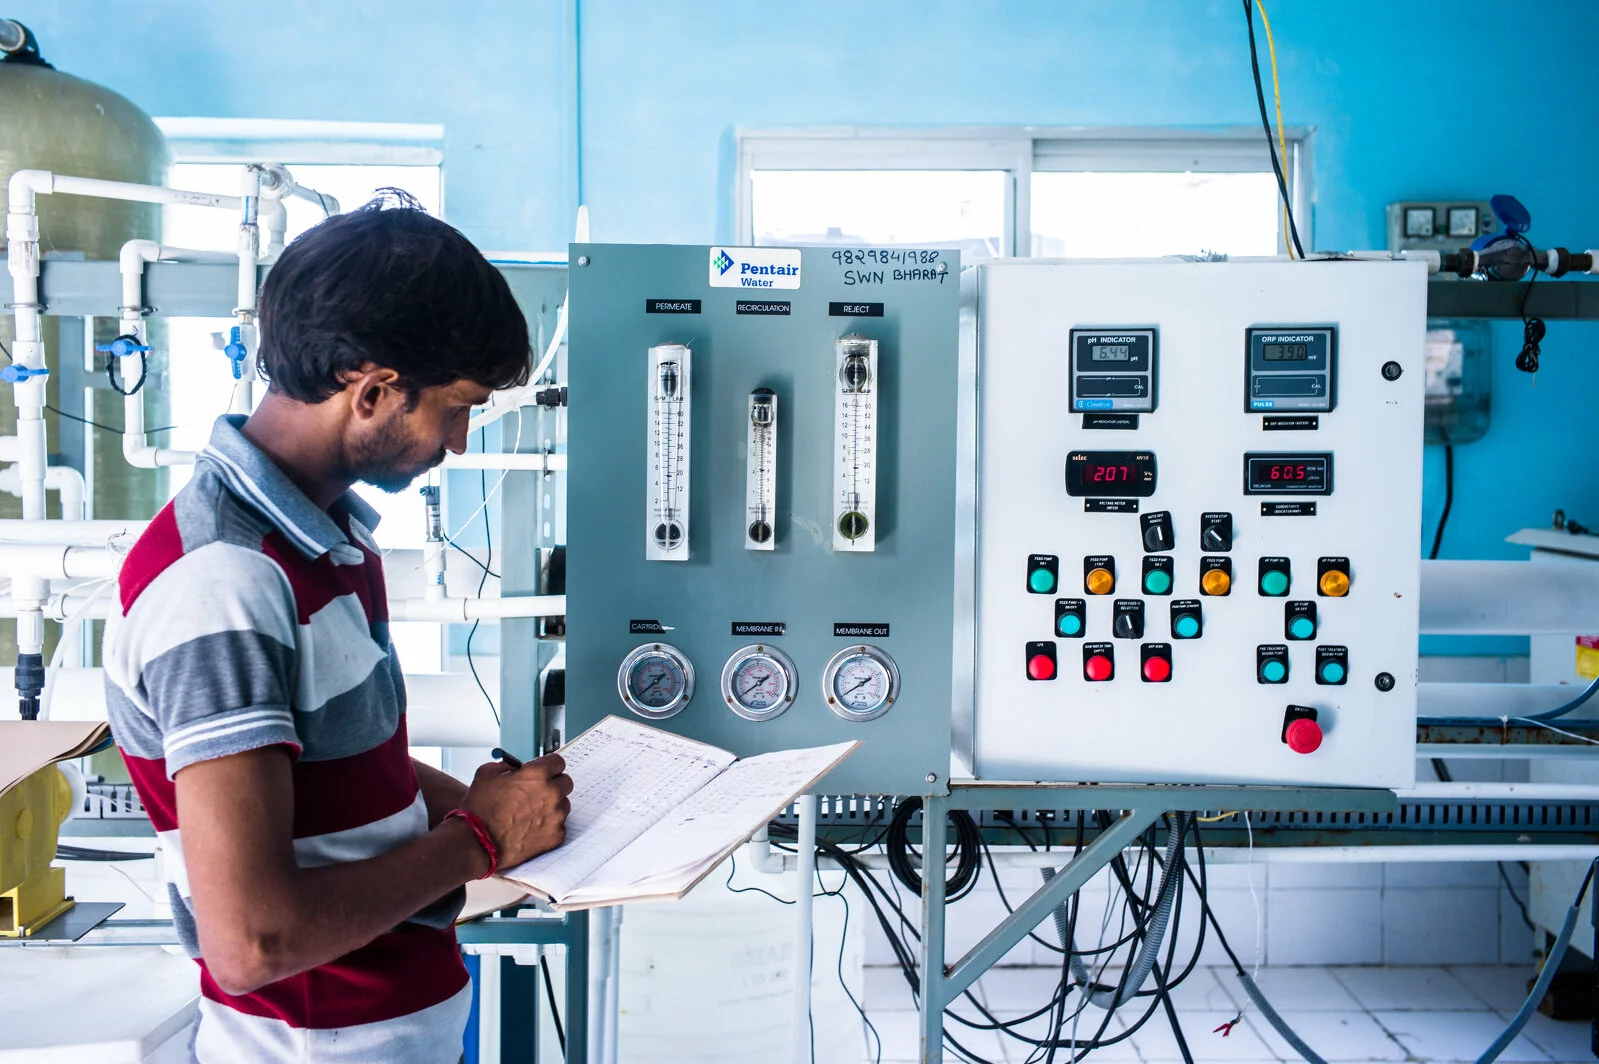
<point>26,746</point>
<point>653,813</point>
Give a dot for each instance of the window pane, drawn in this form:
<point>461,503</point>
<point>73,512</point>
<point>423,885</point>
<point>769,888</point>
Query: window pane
<point>208,229</point>
<point>962,209</point>
<point>1146,215</point>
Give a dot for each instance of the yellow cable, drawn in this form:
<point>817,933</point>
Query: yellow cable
<point>1282,144</point>
<point>1219,816</point>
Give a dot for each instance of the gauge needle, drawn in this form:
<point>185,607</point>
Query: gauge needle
<point>857,687</point>
<point>757,682</point>
<point>658,678</point>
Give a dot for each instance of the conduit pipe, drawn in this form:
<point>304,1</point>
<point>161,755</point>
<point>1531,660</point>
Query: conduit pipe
<point>70,533</point>
<point>46,561</point>
<point>533,462</point>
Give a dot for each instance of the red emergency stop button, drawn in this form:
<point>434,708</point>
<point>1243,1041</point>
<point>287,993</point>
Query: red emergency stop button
<point>1303,736</point>
<point>1041,667</point>
<point>1157,669</point>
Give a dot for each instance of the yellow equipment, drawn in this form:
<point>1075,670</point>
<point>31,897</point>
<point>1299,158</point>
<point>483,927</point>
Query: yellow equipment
<point>33,890</point>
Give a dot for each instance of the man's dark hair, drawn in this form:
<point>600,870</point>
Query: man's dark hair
<point>391,285</point>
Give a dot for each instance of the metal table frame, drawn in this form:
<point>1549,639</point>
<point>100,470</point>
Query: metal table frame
<point>1141,806</point>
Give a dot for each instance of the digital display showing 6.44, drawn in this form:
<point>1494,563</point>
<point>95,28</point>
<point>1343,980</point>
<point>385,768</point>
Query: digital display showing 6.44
<point>1110,474</point>
<point>1110,352</point>
<point>1288,474</point>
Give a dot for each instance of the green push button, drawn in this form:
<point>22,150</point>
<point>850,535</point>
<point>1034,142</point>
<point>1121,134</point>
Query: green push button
<point>1157,581</point>
<point>1274,582</point>
<point>1070,624</point>
<point>1332,672</point>
<point>1041,581</point>
<point>1187,626</point>
<point>1274,671</point>
<point>1301,627</point>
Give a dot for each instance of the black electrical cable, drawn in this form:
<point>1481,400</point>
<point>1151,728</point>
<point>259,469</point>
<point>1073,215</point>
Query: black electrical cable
<point>469,556</point>
<point>111,374</point>
<point>1449,499</point>
<point>488,540</point>
<point>1509,889</point>
<point>968,850</point>
<point>1265,121</point>
<point>1533,330</point>
<point>83,853</point>
<point>555,1010</point>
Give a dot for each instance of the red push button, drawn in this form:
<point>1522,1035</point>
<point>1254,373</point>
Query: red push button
<point>1041,667</point>
<point>1157,670</point>
<point>1098,667</point>
<point>1303,736</point>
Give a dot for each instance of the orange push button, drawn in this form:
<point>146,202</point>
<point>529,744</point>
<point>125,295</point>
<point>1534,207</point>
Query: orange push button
<point>1216,582</point>
<point>1334,584</point>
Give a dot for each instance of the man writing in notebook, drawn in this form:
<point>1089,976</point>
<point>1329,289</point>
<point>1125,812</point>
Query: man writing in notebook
<point>315,868</point>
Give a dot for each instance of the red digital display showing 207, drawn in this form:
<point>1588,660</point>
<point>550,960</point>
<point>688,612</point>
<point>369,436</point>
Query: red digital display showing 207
<point>1288,474</point>
<point>1110,474</point>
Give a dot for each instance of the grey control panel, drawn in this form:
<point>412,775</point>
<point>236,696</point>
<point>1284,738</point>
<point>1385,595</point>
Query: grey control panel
<point>1113,370</point>
<point>1291,369</point>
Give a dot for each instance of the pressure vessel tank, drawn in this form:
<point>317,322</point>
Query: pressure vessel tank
<point>51,120</point>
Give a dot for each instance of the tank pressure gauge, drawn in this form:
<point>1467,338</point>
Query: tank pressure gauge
<point>655,681</point>
<point>860,683</point>
<point>758,682</point>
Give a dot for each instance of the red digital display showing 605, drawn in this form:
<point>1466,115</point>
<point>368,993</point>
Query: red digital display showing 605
<point>1110,474</point>
<point>1288,474</point>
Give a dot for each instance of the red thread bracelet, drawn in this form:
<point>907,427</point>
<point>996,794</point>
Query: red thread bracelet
<point>484,839</point>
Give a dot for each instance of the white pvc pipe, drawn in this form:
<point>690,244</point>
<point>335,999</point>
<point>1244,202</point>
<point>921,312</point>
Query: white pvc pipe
<point>535,462</point>
<point>136,449</point>
<point>48,561</point>
<point>64,480</point>
<point>42,182</point>
<point>70,533</point>
<point>466,610</point>
<point>1491,700</point>
<point>803,911</point>
<point>1508,598</point>
<point>244,310</point>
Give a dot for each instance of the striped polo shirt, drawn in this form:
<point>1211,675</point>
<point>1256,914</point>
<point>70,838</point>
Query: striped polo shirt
<point>251,617</point>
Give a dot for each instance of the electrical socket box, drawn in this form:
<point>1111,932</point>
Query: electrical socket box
<point>761,502</point>
<point>1232,588</point>
<point>1438,225</point>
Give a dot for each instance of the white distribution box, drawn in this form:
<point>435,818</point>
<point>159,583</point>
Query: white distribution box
<point>1197,517</point>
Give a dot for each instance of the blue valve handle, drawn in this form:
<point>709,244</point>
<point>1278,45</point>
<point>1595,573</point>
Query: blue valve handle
<point>15,374</point>
<point>236,352</point>
<point>123,346</point>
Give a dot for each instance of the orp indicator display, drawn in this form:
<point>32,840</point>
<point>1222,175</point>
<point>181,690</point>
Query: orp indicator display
<point>1288,474</point>
<point>1110,474</point>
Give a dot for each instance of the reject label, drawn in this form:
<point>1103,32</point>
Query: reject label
<point>755,268</point>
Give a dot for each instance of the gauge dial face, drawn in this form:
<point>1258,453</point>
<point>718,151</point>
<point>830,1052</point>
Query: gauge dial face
<point>860,683</point>
<point>655,681</point>
<point>758,682</point>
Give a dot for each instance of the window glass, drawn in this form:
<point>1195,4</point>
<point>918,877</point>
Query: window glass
<point>1147,215</point>
<point>963,209</point>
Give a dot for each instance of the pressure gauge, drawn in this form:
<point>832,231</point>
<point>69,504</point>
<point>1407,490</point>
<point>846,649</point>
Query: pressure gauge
<point>656,681</point>
<point>1420,221</point>
<point>860,683</point>
<point>758,682</point>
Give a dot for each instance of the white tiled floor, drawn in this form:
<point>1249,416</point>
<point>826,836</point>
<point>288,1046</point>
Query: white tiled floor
<point>1345,1014</point>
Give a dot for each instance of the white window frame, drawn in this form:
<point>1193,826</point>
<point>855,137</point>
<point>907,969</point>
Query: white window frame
<point>1019,152</point>
<point>289,141</point>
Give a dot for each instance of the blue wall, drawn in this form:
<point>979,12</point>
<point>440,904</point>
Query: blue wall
<point>1387,88</point>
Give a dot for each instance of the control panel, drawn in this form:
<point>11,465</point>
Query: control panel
<point>1191,594</point>
<point>780,425</point>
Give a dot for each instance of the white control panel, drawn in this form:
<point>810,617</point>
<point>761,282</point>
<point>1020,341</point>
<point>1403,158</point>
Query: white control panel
<point>1208,589</point>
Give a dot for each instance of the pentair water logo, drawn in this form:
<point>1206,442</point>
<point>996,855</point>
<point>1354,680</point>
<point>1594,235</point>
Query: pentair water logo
<point>756,268</point>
